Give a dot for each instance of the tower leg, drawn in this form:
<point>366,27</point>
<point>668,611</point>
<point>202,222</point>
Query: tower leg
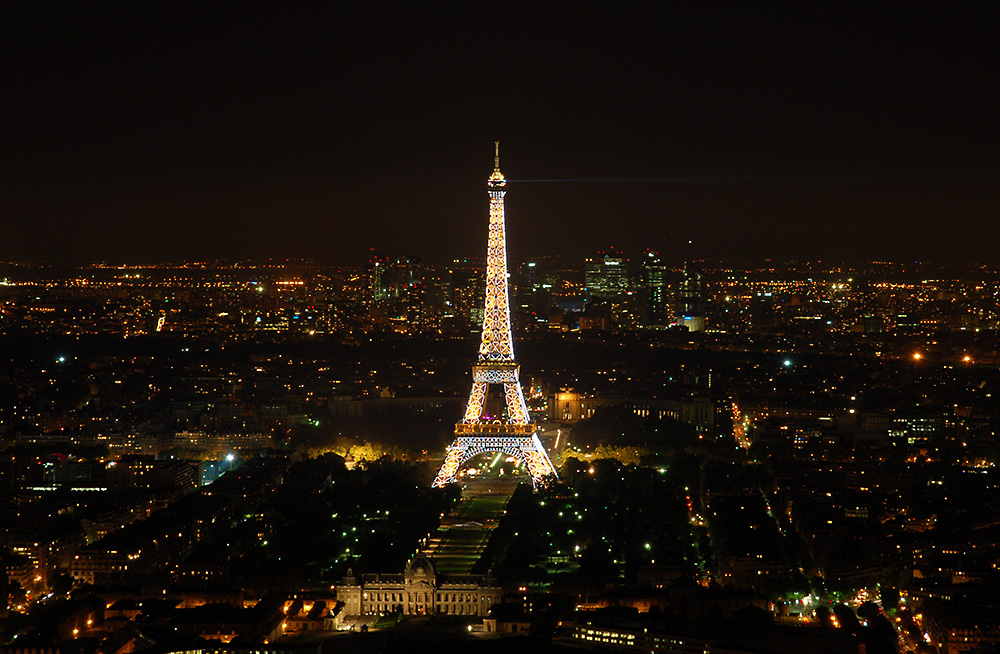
<point>477,399</point>
<point>528,449</point>
<point>456,453</point>
<point>516,407</point>
<point>539,465</point>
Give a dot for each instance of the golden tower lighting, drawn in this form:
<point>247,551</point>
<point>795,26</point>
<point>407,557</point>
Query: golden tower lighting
<point>514,434</point>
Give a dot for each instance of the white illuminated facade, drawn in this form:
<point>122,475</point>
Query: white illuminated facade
<point>420,590</point>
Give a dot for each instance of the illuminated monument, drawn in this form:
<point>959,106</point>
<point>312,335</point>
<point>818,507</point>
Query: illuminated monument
<point>512,432</point>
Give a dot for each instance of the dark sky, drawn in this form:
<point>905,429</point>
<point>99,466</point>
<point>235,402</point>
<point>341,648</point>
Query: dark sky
<point>197,130</point>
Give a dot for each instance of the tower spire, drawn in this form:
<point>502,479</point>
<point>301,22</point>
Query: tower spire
<point>496,180</point>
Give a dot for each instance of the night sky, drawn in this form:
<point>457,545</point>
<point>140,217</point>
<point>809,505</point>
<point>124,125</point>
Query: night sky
<point>191,130</point>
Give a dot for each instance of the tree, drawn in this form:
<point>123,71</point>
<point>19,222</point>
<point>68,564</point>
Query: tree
<point>880,636</point>
<point>824,617</point>
<point>848,621</point>
<point>889,596</point>
<point>62,584</point>
<point>752,617</point>
<point>869,610</point>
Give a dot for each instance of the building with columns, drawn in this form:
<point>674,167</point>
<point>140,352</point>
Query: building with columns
<point>420,590</point>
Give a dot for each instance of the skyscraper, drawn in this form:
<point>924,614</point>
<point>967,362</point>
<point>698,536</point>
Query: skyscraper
<point>654,282</point>
<point>606,276</point>
<point>690,308</point>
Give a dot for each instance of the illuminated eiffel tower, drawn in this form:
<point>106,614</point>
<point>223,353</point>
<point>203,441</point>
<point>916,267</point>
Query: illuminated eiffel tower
<point>514,432</point>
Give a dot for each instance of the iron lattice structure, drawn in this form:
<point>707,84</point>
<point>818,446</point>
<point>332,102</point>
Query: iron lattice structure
<point>514,433</point>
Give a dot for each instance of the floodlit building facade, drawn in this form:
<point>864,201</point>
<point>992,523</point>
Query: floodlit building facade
<point>420,590</point>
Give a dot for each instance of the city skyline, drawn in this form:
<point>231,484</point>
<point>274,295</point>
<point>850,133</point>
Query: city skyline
<point>820,442</point>
<point>243,281</point>
<point>245,453</point>
<point>194,133</point>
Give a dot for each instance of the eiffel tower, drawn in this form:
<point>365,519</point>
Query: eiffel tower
<point>513,433</point>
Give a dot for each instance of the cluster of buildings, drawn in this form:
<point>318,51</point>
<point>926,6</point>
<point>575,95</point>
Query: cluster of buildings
<point>404,295</point>
<point>142,549</point>
<point>862,404</point>
<point>132,517</point>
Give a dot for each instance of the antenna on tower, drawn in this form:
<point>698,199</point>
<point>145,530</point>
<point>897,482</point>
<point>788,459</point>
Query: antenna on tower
<point>496,160</point>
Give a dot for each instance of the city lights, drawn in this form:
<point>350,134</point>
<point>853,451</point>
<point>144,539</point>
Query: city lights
<point>260,388</point>
<point>516,435</point>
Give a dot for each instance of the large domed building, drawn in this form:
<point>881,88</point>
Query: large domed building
<point>419,590</point>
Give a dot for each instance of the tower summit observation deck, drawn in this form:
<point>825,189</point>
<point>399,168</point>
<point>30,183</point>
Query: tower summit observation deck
<point>512,432</point>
